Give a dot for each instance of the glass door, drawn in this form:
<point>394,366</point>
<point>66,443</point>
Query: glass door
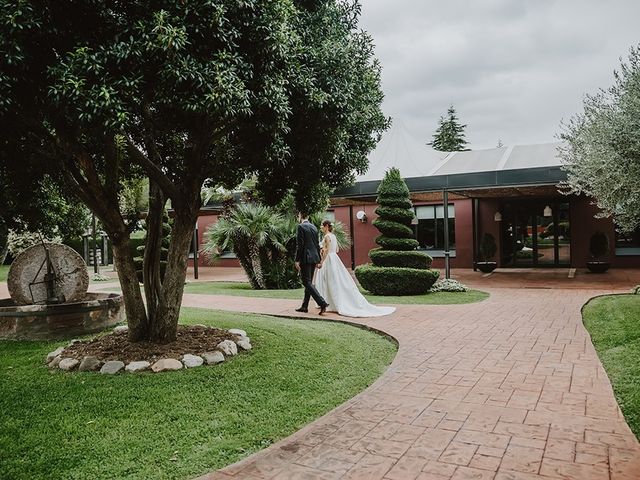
<point>536,234</point>
<point>546,239</point>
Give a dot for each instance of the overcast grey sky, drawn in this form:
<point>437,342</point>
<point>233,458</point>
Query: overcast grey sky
<point>512,68</point>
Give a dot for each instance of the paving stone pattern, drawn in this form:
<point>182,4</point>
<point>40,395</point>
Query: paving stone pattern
<point>507,389</point>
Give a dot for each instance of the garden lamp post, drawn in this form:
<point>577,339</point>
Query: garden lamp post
<point>447,267</point>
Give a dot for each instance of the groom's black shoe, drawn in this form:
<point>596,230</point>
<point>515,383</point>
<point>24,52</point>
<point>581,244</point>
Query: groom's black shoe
<point>302,310</point>
<point>323,309</point>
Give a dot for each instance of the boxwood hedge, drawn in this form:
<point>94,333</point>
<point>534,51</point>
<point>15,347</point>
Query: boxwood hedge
<point>389,258</point>
<point>392,229</point>
<point>394,214</point>
<point>396,281</point>
<point>402,244</point>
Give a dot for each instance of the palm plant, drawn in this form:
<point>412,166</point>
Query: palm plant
<point>264,242</point>
<point>254,233</point>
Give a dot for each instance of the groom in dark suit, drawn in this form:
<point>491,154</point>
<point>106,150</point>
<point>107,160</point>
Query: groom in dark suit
<point>307,260</point>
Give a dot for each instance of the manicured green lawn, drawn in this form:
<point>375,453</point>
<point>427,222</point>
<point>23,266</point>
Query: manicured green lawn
<point>4,271</point>
<point>614,324</point>
<point>179,425</point>
<point>245,290</point>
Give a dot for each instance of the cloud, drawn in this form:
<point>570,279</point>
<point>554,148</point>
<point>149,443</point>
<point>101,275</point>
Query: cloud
<point>512,68</point>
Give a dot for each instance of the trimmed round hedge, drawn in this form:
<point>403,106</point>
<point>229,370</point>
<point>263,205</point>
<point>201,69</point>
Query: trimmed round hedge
<point>395,214</point>
<point>403,203</point>
<point>392,229</point>
<point>402,244</point>
<point>396,281</point>
<point>389,258</point>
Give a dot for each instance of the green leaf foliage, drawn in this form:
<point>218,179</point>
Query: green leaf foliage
<point>601,149</point>
<point>398,269</point>
<point>96,93</point>
<point>395,202</point>
<point>395,281</point>
<point>264,241</point>
<point>402,244</point>
<point>387,258</point>
<point>393,229</point>
<point>403,216</point>
<point>392,186</point>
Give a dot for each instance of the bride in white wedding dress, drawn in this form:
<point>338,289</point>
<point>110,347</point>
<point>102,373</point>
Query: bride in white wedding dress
<point>336,286</point>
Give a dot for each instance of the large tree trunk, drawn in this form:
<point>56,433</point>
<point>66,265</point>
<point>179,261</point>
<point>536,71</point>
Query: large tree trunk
<point>151,269</point>
<point>133,302</point>
<point>164,324</point>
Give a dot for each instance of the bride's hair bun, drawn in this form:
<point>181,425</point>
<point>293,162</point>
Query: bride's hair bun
<point>328,224</point>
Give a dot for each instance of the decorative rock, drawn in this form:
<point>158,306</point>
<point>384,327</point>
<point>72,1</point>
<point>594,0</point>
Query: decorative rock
<point>54,354</point>
<point>138,366</point>
<point>244,343</point>
<point>112,367</point>
<point>192,361</point>
<point>228,347</point>
<point>68,364</point>
<point>74,341</point>
<point>237,331</point>
<point>166,364</point>
<point>212,358</point>
<point>201,325</point>
<point>89,364</point>
<point>55,362</point>
<point>121,330</point>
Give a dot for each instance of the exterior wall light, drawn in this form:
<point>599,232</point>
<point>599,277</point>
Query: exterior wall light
<point>497,217</point>
<point>362,216</point>
<point>547,211</point>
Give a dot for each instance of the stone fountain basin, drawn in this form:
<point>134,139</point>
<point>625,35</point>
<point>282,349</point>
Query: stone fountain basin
<point>96,312</point>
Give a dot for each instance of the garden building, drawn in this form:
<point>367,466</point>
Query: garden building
<point>508,192</point>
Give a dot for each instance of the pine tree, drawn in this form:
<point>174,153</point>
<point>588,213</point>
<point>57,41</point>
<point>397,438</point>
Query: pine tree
<point>449,136</point>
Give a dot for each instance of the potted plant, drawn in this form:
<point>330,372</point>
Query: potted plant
<point>598,247</point>
<point>487,251</point>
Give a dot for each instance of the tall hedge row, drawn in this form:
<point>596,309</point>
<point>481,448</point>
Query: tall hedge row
<point>398,269</point>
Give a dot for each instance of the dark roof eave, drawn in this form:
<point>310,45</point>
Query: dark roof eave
<point>466,181</point>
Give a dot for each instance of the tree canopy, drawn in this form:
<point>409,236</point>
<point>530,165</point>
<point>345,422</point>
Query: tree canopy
<point>602,146</point>
<point>97,93</point>
<point>450,135</point>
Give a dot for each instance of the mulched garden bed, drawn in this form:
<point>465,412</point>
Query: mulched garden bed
<point>190,339</point>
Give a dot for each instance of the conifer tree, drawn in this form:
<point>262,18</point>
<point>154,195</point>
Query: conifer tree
<point>398,269</point>
<point>449,136</point>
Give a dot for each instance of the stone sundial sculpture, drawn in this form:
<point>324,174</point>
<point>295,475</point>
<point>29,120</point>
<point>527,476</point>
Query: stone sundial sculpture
<point>48,273</point>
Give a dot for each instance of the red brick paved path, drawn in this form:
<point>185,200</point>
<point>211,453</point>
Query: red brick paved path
<point>507,389</point>
<point>510,388</point>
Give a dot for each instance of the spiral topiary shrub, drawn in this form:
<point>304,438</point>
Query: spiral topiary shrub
<point>398,269</point>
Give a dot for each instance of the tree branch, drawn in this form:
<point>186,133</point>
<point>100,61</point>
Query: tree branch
<point>152,170</point>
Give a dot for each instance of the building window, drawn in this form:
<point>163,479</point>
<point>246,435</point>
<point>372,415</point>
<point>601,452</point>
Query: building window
<point>430,227</point>
<point>628,243</point>
<point>329,215</point>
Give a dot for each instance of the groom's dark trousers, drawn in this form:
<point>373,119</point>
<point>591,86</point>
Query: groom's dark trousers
<point>306,273</point>
<point>308,256</point>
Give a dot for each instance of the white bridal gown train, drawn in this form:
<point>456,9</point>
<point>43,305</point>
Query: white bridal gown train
<point>336,286</point>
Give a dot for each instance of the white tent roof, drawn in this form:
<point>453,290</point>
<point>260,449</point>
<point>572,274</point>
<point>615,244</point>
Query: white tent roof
<point>398,148</point>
